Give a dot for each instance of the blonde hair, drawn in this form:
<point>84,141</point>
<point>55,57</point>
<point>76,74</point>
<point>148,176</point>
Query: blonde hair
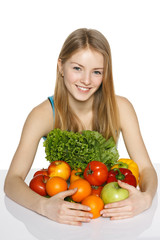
<point>105,111</point>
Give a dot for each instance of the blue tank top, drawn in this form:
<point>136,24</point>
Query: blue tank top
<point>52,104</point>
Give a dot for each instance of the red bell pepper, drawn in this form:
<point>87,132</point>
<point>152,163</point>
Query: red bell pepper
<point>123,174</point>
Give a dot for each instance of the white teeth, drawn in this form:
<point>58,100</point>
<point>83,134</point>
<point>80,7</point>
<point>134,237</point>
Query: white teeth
<point>82,88</point>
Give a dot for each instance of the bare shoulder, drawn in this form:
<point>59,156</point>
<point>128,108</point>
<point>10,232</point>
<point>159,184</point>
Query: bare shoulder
<point>123,102</point>
<point>40,119</point>
<point>43,109</point>
<point>124,105</point>
<point>126,110</point>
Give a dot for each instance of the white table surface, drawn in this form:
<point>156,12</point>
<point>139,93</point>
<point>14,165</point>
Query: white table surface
<point>19,223</point>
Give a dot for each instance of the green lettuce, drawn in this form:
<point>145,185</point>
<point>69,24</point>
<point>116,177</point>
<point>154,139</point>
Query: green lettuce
<point>78,149</point>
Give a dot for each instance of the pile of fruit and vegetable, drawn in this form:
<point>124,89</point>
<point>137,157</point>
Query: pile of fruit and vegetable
<point>88,162</point>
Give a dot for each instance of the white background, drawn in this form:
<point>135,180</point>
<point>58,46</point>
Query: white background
<point>31,35</point>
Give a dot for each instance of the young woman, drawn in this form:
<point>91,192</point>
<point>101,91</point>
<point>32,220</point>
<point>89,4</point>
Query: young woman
<point>84,98</point>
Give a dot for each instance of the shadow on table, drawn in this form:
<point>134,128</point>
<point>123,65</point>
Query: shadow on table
<point>100,228</point>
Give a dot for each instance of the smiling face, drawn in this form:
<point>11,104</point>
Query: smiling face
<point>83,74</point>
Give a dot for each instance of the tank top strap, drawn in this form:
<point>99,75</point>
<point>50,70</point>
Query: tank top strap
<point>52,103</point>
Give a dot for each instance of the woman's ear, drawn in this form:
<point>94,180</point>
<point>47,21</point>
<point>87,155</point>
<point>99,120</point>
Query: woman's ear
<point>60,67</point>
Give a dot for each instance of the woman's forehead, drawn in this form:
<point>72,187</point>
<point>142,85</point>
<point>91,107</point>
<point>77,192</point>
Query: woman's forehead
<point>87,54</point>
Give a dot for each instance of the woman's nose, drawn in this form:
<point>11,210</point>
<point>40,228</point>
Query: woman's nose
<point>86,78</point>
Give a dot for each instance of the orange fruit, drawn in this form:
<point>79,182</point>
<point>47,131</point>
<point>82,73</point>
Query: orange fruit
<point>84,189</point>
<point>95,203</point>
<point>55,185</point>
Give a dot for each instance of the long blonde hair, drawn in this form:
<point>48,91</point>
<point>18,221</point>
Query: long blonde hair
<point>105,111</point>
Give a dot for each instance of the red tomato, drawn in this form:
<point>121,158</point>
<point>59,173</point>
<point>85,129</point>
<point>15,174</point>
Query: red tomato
<point>38,184</point>
<point>96,190</point>
<point>59,169</point>
<point>42,171</point>
<point>96,173</point>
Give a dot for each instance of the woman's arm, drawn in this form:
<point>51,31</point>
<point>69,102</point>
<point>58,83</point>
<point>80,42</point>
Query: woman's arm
<point>34,128</point>
<point>136,148</point>
<point>138,200</point>
<point>39,123</point>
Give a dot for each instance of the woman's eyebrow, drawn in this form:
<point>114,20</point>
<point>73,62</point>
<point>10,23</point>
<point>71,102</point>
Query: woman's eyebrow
<point>98,68</point>
<point>83,66</point>
<point>77,64</point>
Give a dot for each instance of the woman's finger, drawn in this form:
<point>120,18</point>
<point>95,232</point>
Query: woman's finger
<point>77,206</point>
<point>72,216</point>
<point>120,217</point>
<point>66,193</point>
<point>127,186</point>
<point>78,213</point>
<point>118,204</point>
<point>78,219</point>
<point>117,213</point>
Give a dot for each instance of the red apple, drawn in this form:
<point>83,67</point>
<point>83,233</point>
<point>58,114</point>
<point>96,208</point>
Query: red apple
<point>59,168</point>
<point>43,171</point>
<point>38,184</point>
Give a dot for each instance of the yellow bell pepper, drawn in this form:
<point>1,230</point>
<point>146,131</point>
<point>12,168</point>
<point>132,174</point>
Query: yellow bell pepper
<point>130,164</point>
<point>75,175</point>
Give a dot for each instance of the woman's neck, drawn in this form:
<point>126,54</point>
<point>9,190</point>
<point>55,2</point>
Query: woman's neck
<point>83,110</point>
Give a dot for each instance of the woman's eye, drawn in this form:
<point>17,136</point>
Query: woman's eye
<point>98,72</point>
<point>77,68</point>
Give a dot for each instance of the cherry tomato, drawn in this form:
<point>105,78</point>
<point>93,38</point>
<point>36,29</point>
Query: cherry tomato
<point>96,173</point>
<point>38,184</point>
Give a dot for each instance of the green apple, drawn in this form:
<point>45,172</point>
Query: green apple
<point>112,192</point>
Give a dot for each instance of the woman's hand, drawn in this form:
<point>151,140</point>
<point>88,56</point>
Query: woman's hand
<point>55,208</point>
<point>136,203</point>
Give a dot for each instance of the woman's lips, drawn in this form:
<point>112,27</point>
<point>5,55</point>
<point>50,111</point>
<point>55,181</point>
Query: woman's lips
<point>83,89</point>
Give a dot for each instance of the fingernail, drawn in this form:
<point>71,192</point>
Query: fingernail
<point>88,219</point>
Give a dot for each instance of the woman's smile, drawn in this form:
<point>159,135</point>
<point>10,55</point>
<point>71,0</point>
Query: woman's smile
<point>83,89</point>
<point>83,74</point>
